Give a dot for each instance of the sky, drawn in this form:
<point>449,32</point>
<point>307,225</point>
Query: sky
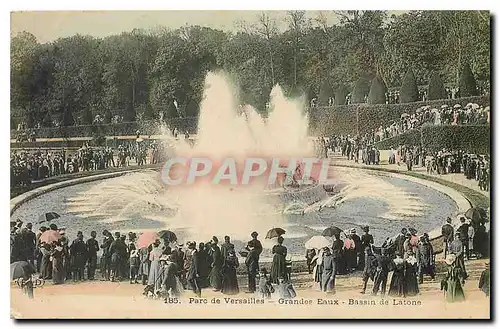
<point>47,26</point>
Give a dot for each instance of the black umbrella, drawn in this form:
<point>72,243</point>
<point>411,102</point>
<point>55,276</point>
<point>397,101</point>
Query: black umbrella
<point>47,217</point>
<point>331,231</point>
<point>21,269</point>
<point>476,215</point>
<point>167,235</point>
<point>275,232</point>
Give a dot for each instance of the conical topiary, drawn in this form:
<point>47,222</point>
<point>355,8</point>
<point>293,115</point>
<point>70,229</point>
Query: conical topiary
<point>436,87</point>
<point>340,97</point>
<point>467,84</point>
<point>409,89</point>
<point>377,91</point>
<point>325,92</point>
<point>360,91</point>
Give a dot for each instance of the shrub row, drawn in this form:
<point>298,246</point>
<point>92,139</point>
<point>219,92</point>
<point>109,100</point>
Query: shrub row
<point>470,138</point>
<point>410,138</point>
<point>342,119</point>
<point>473,138</point>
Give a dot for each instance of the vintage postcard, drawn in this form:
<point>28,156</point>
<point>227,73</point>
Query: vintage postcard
<point>250,164</point>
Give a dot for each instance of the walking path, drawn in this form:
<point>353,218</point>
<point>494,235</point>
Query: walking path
<point>454,178</point>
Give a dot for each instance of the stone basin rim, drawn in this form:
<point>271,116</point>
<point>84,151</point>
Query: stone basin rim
<point>459,198</point>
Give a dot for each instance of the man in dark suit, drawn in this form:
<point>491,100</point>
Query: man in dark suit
<point>463,231</point>
<point>252,263</point>
<point>381,273</point>
<point>447,232</point>
<point>400,241</point>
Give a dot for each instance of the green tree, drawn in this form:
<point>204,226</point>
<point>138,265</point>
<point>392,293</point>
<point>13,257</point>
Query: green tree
<point>409,89</point>
<point>436,87</point>
<point>377,91</point>
<point>467,83</point>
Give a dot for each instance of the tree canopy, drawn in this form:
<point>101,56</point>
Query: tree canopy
<point>138,74</point>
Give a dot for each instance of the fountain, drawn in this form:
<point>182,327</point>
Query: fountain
<point>140,201</point>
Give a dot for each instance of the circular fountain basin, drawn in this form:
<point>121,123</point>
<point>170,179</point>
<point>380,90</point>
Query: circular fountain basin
<point>132,203</point>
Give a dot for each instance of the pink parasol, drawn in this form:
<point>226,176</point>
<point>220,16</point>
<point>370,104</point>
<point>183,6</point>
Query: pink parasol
<point>146,238</point>
<point>50,236</point>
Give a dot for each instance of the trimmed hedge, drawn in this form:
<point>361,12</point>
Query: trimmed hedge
<point>409,88</point>
<point>470,138</point>
<point>467,83</point>
<point>322,120</point>
<point>436,87</point>
<point>377,91</point>
<point>410,138</point>
<point>342,119</point>
<point>473,138</point>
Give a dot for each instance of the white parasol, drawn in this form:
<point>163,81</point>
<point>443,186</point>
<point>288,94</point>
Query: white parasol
<point>318,242</point>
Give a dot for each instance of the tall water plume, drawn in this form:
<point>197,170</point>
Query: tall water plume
<point>226,129</point>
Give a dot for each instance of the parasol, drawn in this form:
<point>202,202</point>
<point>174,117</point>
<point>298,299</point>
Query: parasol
<point>477,215</point>
<point>318,242</point>
<point>444,106</point>
<point>331,231</point>
<point>50,236</point>
<point>167,235</point>
<point>275,232</point>
<point>146,238</point>
<point>21,269</point>
<point>404,115</point>
<point>457,106</point>
<point>47,217</point>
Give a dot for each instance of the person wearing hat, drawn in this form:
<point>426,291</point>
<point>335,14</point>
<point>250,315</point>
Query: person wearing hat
<point>463,231</point>
<point>226,247</point>
<point>106,255</point>
<point>92,249</point>
<point>358,247</point>
<point>278,267</point>
<point>425,258</point>
<point>117,250</point>
<point>452,283</point>
<point>229,278</point>
<point>366,241</point>
<point>456,248</point>
<point>370,267</point>
<point>350,252</point>
<point>329,272</point>
<point>254,248</point>
<point>193,274</point>
<point>447,233</point>
<point>381,273</point>
<point>178,259</point>
<point>170,284</point>
<point>78,252</point>
<point>29,240</point>
<point>216,265</point>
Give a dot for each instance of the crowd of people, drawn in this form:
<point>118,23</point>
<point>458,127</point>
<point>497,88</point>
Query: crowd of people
<point>162,266</point>
<point>28,166</point>
<point>471,114</point>
<point>166,270</point>
<point>354,148</point>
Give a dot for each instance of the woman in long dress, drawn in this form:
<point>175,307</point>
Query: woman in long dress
<point>410,275</point>
<point>58,265</point>
<point>46,267</point>
<point>278,268</point>
<point>452,283</point>
<point>154,257</point>
<point>229,279</point>
<point>143,272</point>
<point>318,268</point>
<point>204,268</point>
<point>396,288</point>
